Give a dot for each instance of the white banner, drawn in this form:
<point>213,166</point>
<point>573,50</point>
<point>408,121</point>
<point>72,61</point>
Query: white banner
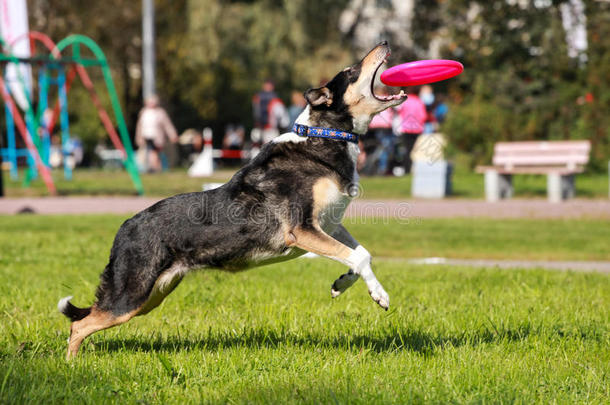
<point>13,25</point>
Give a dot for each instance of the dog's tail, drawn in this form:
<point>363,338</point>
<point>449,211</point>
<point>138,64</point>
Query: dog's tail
<point>74,313</point>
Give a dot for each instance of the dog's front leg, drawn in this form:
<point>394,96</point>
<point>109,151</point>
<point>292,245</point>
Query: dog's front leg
<point>358,260</point>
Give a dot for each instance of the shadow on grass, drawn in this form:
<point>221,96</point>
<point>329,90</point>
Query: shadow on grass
<point>389,340</point>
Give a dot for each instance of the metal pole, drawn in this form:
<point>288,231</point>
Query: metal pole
<point>148,47</point>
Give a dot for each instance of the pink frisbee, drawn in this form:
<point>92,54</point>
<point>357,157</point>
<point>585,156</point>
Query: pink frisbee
<point>421,72</point>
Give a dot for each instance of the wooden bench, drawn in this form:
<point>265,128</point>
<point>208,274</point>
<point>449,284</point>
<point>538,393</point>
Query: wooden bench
<point>559,160</point>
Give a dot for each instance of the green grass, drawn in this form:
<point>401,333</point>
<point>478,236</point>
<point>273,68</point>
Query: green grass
<point>273,335</point>
<point>115,182</point>
<point>465,185</point>
<point>479,238</point>
<point>466,238</point>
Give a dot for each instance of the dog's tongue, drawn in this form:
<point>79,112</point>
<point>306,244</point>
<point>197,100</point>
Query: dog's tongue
<point>391,96</point>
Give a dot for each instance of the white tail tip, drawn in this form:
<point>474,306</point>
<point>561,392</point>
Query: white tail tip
<point>63,303</point>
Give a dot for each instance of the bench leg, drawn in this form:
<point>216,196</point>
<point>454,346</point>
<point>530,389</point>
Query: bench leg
<point>506,185</point>
<point>567,186</point>
<point>553,187</point>
<point>498,186</point>
<point>559,187</point>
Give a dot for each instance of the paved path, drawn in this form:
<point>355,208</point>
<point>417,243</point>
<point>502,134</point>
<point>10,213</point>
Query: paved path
<point>407,209</point>
<point>581,266</point>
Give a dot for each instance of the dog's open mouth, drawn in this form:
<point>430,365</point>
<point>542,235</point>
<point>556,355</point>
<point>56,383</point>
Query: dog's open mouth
<point>376,83</point>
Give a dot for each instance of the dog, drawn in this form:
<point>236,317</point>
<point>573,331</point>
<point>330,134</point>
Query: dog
<point>288,200</point>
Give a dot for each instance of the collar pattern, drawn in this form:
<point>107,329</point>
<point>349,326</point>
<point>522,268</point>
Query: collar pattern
<point>319,132</point>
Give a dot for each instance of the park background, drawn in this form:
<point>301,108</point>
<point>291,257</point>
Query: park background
<point>526,77</point>
<point>503,302</point>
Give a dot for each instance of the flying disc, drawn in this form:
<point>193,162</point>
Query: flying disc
<point>421,72</point>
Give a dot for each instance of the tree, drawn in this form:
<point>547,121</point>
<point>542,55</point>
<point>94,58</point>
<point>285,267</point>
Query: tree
<point>519,81</point>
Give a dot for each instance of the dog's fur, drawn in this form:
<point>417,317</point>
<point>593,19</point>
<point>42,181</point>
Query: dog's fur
<point>289,199</point>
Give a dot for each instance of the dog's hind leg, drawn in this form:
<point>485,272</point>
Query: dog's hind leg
<point>314,239</point>
<point>165,284</point>
<point>97,320</point>
<point>111,310</point>
<point>346,280</point>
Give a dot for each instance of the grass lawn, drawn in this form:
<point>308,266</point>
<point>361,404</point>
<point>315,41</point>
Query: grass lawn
<point>465,185</point>
<point>115,182</point>
<point>273,335</point>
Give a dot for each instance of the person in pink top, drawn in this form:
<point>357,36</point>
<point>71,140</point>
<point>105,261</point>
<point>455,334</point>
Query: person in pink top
<point>381,129</point>
<point>411,118</point>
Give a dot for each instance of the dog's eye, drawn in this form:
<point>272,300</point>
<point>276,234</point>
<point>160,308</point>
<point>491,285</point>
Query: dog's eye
<point>353,73</point>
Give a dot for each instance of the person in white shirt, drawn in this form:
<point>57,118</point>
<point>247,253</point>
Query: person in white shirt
<point>154,126</point>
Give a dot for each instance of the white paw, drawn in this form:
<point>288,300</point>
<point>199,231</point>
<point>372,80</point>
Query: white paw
<point>381,297</point>
<point>343,283</point>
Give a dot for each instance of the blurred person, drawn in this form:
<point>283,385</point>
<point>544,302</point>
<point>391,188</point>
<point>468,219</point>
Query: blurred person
<point>297,106</point>
<point>426,95</point>
<point>153,126</point>
<point>368,146</point>
<point>75,151</point>
<point>270,114</point>
<point>234,137</point>
<point>191,144</point>
<point>234,140</point>
<point>197,142</point>
<point>56,151</point>
<point>441,110</point>
<point>410,117</point>
<point>380,129</point>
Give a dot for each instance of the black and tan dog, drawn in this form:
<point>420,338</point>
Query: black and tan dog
<point>288,200</point>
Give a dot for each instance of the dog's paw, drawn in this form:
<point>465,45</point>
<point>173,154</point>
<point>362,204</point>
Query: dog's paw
<point>343,283</point>
<point>381,297</point>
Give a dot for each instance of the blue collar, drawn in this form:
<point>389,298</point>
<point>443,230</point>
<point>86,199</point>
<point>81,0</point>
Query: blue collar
<point>318,132</point>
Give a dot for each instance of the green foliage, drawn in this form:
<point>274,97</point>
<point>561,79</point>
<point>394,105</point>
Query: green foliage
<point>217,59</point>
<point>594,122</point>
<point>519,83</point>
<point>84,120</point>
<point>274,335</point>
<point>473,127</point>
<point>212,55</point>
<point>115,25</point>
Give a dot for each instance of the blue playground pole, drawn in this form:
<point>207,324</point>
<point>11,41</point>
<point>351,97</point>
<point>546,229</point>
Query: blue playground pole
<point>33,171</point>
<point>43,88</point>
<point>44,80</point>
<point>30,122</point>
<point>11,150</point>
<point>63,118</point>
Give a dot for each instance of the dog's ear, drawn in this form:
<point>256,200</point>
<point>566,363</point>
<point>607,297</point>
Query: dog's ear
<point>319,96</point>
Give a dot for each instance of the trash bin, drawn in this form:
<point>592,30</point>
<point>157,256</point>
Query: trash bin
<point>431,179</point>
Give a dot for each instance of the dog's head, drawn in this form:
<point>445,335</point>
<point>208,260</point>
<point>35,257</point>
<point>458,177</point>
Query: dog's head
<point>349,102</point>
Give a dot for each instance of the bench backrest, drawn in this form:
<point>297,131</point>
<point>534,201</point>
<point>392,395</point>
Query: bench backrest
<point>570,154</point>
